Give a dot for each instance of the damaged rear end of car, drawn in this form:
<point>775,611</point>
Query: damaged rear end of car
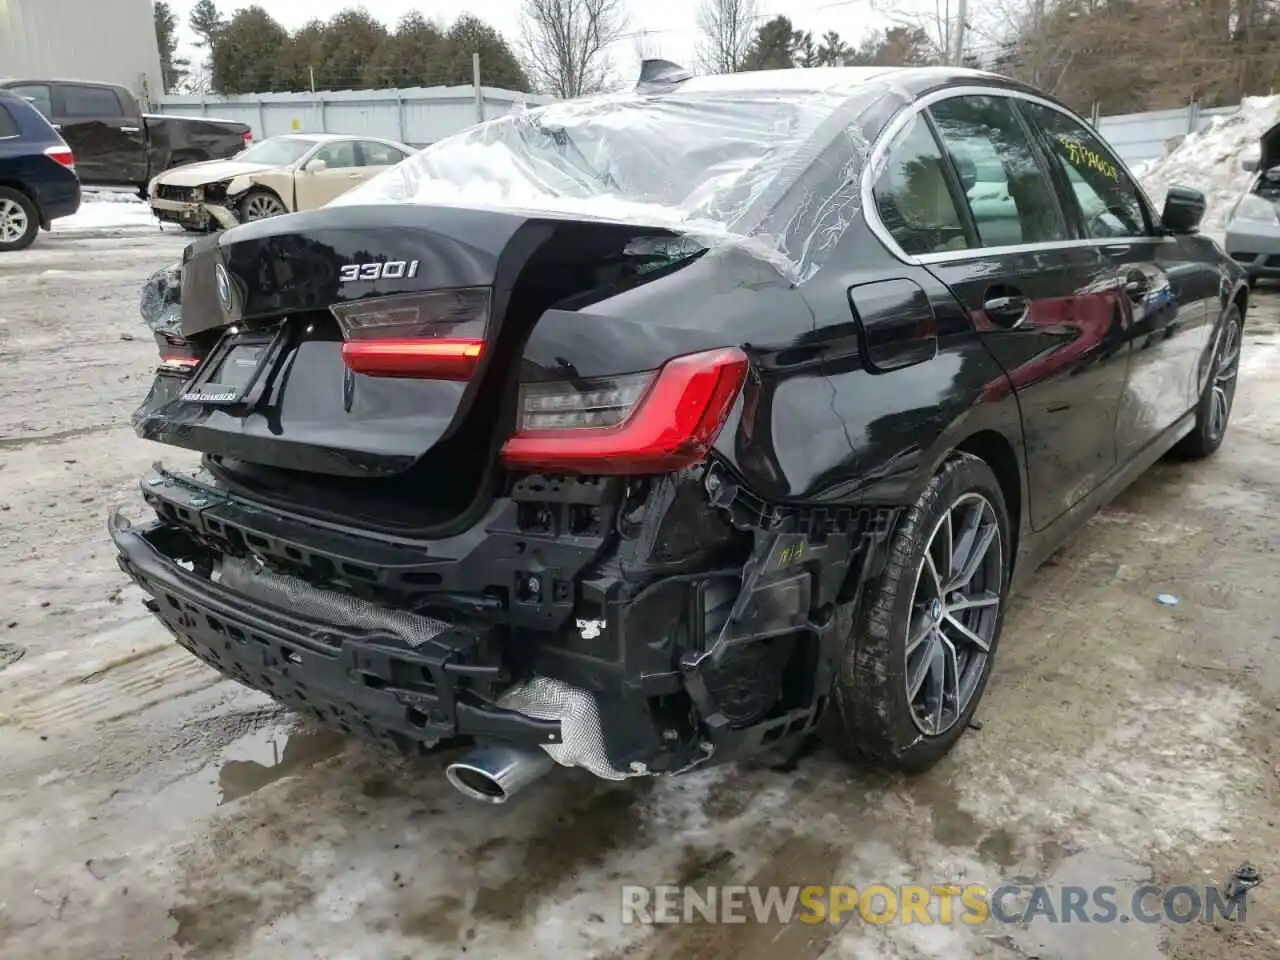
<point>468,476</point>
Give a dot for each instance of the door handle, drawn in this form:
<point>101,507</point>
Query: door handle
<point>1117,249</point>
<point>1007,311</point>
<point>354,176</point>
<point>129,129</point>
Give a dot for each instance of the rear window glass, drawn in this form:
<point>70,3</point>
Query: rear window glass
<point>90,102</point>
<point>8,126</point>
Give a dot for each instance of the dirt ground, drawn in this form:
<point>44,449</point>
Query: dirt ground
<point>150,810</point>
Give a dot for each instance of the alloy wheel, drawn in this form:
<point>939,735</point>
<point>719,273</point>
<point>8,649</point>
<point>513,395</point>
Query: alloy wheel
<point>261,206</point>
<point>954,612</point>
<point>13,221</point>
<point>1223,392</point>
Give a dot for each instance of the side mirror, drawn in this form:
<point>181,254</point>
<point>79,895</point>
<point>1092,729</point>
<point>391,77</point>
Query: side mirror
<point>1183,210</point>
<point>317,166</point>
<point>1249,164</point>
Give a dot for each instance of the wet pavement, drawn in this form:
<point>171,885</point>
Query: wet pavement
<point>149,809</point>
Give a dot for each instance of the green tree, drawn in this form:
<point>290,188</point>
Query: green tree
<point>348,45</point>
<point>498,64</point>
<point>206,23</point>
<point>412,56</point>
<point>248,52</point>
<point>832,51</point>
<point>173,69</point>
<point>774,47</point>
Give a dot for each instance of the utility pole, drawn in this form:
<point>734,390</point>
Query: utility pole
<point>961,14</point>
<point>475,80</point>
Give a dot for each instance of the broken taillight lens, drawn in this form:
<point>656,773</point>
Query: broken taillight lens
<point>177,356</point>
<point>436,335</point>
<point>650,422</point>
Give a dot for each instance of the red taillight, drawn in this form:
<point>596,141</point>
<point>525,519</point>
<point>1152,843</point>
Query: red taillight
<point>176,355</point>
<point>63,155</point>
<point>436,335</point>
<point>641,423</point>
<point>248,137</point>
<point>433,359</point>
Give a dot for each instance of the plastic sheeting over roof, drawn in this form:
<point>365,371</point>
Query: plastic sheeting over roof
<point>770,161</point>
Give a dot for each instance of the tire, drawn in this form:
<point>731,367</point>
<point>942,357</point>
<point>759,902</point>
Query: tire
<point>255,202</point>
<point>19,220</point>
<point>1213,413</point>
<point>871,716</point>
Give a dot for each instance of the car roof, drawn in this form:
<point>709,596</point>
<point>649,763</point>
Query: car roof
<point>820,79</point>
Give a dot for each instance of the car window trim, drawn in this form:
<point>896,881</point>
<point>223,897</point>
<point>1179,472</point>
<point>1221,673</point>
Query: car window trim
<point>878,157</point>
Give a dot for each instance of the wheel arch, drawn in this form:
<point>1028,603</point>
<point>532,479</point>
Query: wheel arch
<point>995,450</point>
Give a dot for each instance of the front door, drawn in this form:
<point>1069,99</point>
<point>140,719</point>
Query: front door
<point>330,172</point>
<point>1164,289</point>
<point>110,146</point>
<point>1039,297</point>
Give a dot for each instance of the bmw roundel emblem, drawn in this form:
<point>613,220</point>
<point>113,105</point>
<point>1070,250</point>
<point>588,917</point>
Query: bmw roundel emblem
<point>223,281</point>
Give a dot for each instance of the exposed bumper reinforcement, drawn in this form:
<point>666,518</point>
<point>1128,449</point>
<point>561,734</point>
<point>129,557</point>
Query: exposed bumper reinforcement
<point>368,680</point>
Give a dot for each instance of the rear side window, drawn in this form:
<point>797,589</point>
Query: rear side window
<point>1105,193</point>
<point>374,154</point>
<point>1008,191</point>
<point>90,102</point>
<point>8,126</point>
<point>37,94</point>
<point>912,196</point>
<point>340,155</point>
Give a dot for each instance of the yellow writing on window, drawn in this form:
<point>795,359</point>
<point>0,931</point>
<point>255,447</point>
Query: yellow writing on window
<point>1081,156</point>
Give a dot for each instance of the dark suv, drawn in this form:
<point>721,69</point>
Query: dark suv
<point>38,182</point>
<point>638,433</point>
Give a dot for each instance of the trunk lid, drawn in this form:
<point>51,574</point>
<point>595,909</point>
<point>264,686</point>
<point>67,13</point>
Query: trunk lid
<point>266,289</point>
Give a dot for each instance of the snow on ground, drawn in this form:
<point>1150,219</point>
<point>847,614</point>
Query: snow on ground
<point>107,209</point>
<point>1210,160</point>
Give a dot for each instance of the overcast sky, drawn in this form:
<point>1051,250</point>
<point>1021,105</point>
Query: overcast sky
<point>668,28</point>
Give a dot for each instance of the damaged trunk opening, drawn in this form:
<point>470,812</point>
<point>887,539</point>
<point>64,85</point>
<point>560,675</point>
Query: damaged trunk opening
<point>502,542</point>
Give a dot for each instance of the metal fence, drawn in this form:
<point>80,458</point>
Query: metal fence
<point>416,116</point>
<point>422,115</point>
<point>1146,136</point>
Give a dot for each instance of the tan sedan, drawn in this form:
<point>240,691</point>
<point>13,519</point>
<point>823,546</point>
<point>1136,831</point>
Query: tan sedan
<point>278,175</point>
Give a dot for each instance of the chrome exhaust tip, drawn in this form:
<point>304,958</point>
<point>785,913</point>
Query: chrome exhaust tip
<point>494,772</point>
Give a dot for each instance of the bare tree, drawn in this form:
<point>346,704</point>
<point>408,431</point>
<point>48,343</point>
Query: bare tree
<point>727,28</point>
<point>566,44</point>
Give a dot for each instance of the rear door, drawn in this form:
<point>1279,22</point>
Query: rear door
<point>109,142</point>
<point>330,172</point>
<point>1163,287</point>
<point>1037,294</point>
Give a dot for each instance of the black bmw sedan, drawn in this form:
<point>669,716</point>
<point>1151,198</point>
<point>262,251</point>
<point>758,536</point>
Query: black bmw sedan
<point>644,431</point>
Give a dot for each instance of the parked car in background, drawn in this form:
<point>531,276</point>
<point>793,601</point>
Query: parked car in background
<point>641,432</point>
<point>1253,225</point>
<point>282,174</point>
<point>38,182</point>
<point>118,145</point>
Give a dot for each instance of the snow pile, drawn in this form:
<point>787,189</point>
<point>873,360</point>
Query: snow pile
<point>1210,160</point>
<point>105,210</point>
